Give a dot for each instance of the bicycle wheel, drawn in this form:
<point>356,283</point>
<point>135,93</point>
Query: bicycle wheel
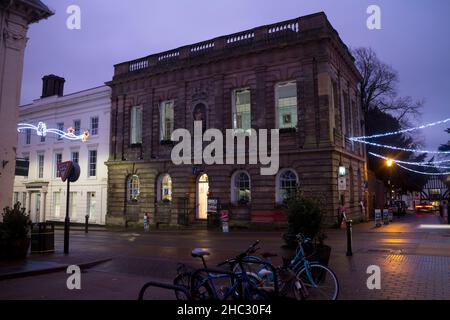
<point>201,291</point>
<point>320,282</point>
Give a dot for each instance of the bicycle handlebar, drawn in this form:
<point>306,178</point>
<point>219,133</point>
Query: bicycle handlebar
<point>252,249</point>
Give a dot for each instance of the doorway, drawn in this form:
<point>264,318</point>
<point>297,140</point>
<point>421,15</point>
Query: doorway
<point>202,196</point>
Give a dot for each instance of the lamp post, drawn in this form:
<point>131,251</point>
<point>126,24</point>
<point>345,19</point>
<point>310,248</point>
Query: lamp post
<point>389,164</point>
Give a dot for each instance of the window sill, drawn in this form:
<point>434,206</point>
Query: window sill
<point>167,142</point>
<point>287,130</point>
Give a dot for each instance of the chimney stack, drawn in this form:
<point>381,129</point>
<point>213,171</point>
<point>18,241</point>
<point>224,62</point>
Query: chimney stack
<point>52,85</point>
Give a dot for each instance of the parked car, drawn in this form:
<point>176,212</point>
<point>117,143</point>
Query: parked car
<point>424,206</point>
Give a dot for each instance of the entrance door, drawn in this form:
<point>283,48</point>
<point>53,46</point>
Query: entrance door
<point>202,196</point>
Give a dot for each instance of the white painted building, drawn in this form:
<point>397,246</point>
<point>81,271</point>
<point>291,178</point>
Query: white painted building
<point>42,192</point>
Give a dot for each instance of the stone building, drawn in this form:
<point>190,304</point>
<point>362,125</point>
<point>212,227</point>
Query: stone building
<point>15,17</point>
<point>296,76</point>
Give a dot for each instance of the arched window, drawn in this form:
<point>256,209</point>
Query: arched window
<point>133,188</point>
<point>240,187</point>
<point>287,182</point>
<point>164,188</point>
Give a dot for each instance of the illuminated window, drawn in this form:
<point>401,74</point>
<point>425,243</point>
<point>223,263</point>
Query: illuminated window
<point>167,120</point>
<point>136,125</point>
<point>286,103</point>
<point>240,188</point>
<point>165,188</point>
<point>133,187</point>
<point>242,109</point>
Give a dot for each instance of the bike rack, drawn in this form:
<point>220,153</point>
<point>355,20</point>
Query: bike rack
<point>163,286</point>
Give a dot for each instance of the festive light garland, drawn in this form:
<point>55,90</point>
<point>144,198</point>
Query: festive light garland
<point>42,130</point>
<point>425,173</point>
<point>420,164</point>
<point>402,149</point>
<point>400,131</point>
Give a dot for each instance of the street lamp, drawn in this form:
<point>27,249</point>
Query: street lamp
<point>389,164</point>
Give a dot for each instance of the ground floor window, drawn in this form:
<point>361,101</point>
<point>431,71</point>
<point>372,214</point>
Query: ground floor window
<point>91,205</point>
<point>240,187</point>
<point>133,187</point>
<point>165,188</point>
<point>57,204</point>
<point>287,183</point>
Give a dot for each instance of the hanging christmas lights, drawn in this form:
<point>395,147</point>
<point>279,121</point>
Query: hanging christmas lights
<point>400,131</point>
<point>42,130</point>
<point>420,164</point>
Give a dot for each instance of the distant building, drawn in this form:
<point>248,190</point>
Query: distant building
<point>296,76</point>
<point>15,16</point>
<point>435,190</point>
<point>42,192</point>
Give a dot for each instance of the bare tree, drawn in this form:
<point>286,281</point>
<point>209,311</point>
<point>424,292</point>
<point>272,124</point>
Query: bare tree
<point>379,87</point>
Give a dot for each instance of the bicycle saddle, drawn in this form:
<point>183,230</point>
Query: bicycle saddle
<point>266,255</point>
<point>199,252</point>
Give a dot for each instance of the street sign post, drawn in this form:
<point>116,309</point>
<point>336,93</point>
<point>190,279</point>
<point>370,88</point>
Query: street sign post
<point>69,171</point>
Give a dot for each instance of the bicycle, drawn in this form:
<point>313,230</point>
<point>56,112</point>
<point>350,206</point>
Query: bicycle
<point>315,281</point>
<point>201,283</point>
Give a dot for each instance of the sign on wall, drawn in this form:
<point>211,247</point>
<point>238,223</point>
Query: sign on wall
<point>342,184</point>
<point>213,205</point>
<point>22,166</point>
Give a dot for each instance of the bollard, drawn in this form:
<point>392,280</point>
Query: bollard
<point>86,223</point>
<point>349,238</point>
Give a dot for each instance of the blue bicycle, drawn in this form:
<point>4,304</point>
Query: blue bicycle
<point>314,280</point>
<point>219,284</point>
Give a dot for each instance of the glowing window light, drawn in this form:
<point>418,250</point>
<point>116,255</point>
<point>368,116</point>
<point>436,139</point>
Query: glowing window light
<point>42,130</point>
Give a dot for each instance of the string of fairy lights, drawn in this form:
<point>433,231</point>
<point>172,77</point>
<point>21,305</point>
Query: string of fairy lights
<point>404,164</point>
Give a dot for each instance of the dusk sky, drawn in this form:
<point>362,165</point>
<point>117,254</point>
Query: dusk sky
<point>414,39</point>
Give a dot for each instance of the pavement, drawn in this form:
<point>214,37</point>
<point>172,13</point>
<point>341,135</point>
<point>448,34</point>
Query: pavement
<point>413,254</point>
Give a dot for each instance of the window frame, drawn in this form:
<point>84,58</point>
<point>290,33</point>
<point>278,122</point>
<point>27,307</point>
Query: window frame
<point>235,198</point>
<point>40,173</point>
<point>279,197</point>
<point>160,196</point>
<point>131,186</point>
<point>56,173</point>
<point>60,126</point>
<point>163,128</point>
<point>90,163</point>
<point>136,124</point>
<point>91,128</point>
<point>277,107</point>
<point>234,111</point>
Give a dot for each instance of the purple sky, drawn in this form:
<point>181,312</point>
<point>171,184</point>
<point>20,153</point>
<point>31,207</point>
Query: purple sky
<point>414,39</point>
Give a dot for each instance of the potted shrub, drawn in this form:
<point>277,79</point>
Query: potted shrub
<point>305,217</point>
<point>15,233</point>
